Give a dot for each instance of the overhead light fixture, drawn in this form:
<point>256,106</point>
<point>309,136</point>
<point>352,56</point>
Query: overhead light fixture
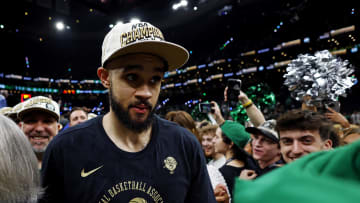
<point>60,25</point>
<point>135,20</point>
<point>182,3</point>
<point>111,26</point>
<point>195,8</point>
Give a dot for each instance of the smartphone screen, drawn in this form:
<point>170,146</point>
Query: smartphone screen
<point>205,107</point>
<point>233,92</point>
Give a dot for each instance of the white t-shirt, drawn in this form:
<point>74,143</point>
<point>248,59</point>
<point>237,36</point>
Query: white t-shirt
<point>217,163</point>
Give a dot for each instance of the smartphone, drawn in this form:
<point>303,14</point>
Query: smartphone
<point>332,104</point>
<point>233,92</point>
<point>205,107</point>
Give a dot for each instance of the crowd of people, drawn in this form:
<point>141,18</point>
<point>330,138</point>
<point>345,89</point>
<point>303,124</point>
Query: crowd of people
<point>132,155</point>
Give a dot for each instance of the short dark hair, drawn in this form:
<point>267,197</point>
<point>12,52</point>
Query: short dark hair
<point>77,109</point>
<point>304,120</point>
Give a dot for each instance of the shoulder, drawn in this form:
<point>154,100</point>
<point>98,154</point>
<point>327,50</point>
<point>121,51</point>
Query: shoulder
<point>171,130</point>
<point>78,132</point>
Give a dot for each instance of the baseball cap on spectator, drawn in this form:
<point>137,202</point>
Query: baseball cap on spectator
<point>236,133</point>
<point>91,116</point>
<point>40,103</point>
<point>267,129</point>
<point>141,37</point>
<point>5,111</point>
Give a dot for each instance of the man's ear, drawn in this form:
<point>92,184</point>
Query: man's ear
<point>231,145</point>
<point>103,75</point>
<point>328,144</point>
<point>59,126</point>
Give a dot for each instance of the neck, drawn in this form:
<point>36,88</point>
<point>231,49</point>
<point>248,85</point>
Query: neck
<point>217,156</point>
<point>264,164</point>
<point>236,163</point>
<point>39,158</point>
<point>123,137</point>
<point>229,154</point>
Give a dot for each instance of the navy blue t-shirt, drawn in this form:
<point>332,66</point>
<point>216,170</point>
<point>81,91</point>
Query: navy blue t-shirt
<point>82,164</point>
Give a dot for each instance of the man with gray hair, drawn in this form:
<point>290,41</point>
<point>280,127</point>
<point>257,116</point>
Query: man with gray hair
<point>39,118</point>
<point>19,174</point>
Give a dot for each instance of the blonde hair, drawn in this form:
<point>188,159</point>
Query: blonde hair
<point>19,173</point>
<point>206,127</point>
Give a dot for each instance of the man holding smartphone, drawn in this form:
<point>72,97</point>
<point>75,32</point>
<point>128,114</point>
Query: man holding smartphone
<point>255,115</point>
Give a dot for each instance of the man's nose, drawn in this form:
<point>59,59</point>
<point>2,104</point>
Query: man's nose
<point>297,148</point>
<point>144,92</point>
<point>39,126</point>
<point>257,142</point>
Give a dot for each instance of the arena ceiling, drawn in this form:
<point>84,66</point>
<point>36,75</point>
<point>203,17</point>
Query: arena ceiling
<point>28,29</point>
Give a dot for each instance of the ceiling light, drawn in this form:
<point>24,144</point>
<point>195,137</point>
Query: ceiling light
<point>119,22</point>
<point>195,8</point>
<point>111,26</point>
<point>182,3</point>
<point>135,20</point>
<point>60,25</point>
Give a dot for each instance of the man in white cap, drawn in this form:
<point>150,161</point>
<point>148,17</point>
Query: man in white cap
<point>129,154</point>
<point>39,118</point>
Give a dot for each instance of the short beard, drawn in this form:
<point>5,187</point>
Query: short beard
<point>123,115</point>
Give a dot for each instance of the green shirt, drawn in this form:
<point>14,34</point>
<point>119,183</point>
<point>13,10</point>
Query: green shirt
<point>326,176</point>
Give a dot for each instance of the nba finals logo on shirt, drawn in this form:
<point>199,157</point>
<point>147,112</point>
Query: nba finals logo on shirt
<point>170,164</point>
<point>138,200</point>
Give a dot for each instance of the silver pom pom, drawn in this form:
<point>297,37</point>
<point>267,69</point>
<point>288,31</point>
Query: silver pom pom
<point>323,77</point>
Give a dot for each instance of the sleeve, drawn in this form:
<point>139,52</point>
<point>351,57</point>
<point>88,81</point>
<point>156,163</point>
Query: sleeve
<point>52,176</point>
<point>200,189</point>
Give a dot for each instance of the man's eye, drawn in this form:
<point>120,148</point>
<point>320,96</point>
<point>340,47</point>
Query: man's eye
<point>286,141</point>
<point>307,141</point>
<point>30,121</point>
<point>131,77</point>
<point>156,79</point>
<point>48,121</point>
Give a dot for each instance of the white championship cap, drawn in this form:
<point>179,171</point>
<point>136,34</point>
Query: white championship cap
<point>40,103</point>
<point>142,37</point>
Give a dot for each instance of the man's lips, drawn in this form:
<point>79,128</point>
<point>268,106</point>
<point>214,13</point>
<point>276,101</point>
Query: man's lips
<point>141,108</point>
<point>39,139</point>
<point>257,151</point>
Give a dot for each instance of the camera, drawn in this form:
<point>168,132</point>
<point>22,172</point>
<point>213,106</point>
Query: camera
<point>205,107</point>
<point>233,92</point>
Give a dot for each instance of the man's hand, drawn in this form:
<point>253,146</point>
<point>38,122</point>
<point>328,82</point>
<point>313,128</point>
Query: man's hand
<point>221,194</point>
<point>337,118</point>
<point>216,113</point>
<point>247,174</point>
<point>243,98</point>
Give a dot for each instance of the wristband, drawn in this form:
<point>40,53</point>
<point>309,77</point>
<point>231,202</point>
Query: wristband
<point>247,104</point>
